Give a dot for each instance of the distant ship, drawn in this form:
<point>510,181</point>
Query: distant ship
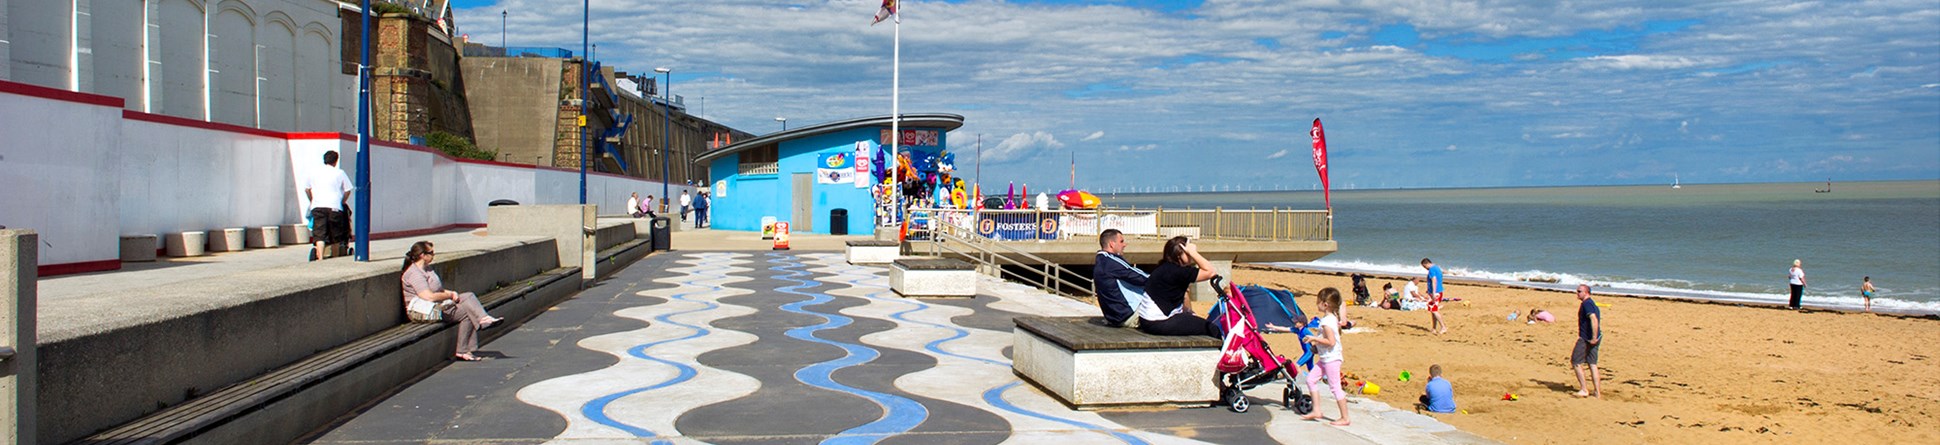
<point>1674,182</point>
<point>1828,187</point>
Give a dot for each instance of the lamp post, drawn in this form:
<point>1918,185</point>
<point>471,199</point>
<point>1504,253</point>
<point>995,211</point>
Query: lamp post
<point>501,29</point>
<point>585,64</point>
<point>666,125</point>
<point>784,123</point>
<point>363,138</point>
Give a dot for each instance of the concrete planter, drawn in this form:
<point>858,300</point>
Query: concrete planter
<point>186,244</point>
<point>261,237</point>
<point>1170,371</point>
<point>138,248</point>
<point>293,234</point>
<point>226,240</point>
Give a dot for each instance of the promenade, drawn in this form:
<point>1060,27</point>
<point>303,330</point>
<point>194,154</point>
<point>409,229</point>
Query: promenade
<point>723,341</point>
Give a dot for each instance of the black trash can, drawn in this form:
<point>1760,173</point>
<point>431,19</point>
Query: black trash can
<point>662,233</point>
<point>839,221</point>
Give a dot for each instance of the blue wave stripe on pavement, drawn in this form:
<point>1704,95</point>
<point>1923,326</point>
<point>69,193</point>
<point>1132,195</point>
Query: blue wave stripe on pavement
<point>900,414</point>
<point>995,397</point>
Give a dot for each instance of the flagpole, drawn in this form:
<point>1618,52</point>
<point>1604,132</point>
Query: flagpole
<point>896,119</point>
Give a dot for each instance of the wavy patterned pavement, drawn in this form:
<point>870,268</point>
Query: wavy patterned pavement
<point>799,348</point>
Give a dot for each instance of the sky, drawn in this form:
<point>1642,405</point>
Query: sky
<point>1220,94</point>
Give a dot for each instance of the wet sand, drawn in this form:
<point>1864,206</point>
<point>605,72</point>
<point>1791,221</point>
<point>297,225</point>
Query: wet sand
<point>1673,371</point>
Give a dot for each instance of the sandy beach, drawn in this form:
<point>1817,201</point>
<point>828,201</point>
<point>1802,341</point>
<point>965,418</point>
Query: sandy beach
<point>1674,371</point>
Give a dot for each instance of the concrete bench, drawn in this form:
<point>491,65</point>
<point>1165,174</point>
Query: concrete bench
<point>261,237</point>
<point>186,244</point>
<point>293,234</point>
<point>1089,365</point>
<point>874,251</point>
<point>264,409</point>
<point>226,240</point>
<point>933,277</point>
<point>139,248</point>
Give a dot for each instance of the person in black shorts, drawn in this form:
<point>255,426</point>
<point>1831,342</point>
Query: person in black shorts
<point>328,190</point>
<point>1178,269</point>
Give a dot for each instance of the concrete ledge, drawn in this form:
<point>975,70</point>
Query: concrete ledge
<point>186,244</point>
<point>933,277</point>
<point>1098,376</point>
<point>139,248</point>
<point>873,251</point>
<point>293,234</point>
<point>226,240</point>
<point>261,237</point>
<point>193,337</point>
<point>614,233</point>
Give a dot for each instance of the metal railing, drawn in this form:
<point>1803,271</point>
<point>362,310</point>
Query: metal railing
<point>1217,223</point>
<point>983,251</point>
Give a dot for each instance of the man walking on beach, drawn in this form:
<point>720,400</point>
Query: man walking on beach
<point>1434,296</point>
<point>328,189</point>
<point>1589,337</point>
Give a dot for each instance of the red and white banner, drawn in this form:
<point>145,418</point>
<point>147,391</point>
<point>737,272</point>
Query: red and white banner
<point>1320,163</point>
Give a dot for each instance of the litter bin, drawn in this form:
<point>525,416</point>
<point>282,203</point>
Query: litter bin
<point>662,233</point>
<point>839,221</point>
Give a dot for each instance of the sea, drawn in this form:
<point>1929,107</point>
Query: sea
<point>1725,242</point>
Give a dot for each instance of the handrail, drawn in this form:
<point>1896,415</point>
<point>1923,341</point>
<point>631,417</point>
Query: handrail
<point>1274,224</point>
<point>1048,272</point>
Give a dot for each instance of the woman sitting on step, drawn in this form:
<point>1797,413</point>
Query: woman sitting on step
<point>420,283</point>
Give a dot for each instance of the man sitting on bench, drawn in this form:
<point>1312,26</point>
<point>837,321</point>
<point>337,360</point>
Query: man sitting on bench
<point>1120,286</point>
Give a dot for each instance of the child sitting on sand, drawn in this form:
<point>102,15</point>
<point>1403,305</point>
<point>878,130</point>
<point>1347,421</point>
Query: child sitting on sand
<point>1440,397</point>
<point>1538,314</point>
<point>1391,299</point>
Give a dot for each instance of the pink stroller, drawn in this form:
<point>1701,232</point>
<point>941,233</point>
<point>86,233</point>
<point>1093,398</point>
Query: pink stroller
<point>1246,361</point>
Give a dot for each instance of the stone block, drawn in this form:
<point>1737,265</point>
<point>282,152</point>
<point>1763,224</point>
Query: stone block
<point>1143,370</point>
<point>293,234</point>
<point>139,248</point>
<point>226,240</point>
<point>261,237</point>
<point>873,251</point>
<point>186,244</point>
<point>933,277</point>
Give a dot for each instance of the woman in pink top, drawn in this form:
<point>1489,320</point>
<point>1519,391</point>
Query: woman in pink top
<point>423,284</point>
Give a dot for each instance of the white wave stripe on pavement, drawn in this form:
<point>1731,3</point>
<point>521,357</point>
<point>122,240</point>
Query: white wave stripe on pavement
<point>656,409</point>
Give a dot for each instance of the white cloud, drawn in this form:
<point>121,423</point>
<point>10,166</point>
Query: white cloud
<point>1646,62</point>
<point>1451,147</point>
<point>1278,154</point>
<point>1234,75</point>
<point>1022,145</point>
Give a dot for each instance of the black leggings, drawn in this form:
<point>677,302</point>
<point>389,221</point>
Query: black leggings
<point>1181,324</point>
<point>1798,291</point>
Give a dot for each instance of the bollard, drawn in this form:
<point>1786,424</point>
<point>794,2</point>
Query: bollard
<point>589,245</point>
<point>19,258</point>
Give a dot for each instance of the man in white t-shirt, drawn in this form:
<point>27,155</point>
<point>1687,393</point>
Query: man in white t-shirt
<point>686,203</point>
<point>328,189</point>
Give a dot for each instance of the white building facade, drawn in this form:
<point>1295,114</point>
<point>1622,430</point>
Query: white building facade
<point>269,64</point>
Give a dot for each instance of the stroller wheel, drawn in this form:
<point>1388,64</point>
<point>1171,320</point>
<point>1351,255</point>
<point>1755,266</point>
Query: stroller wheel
<point>1298,401</point>
<point>1234,399</point>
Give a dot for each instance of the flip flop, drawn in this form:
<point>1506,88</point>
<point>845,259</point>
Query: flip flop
<point>472,359</point>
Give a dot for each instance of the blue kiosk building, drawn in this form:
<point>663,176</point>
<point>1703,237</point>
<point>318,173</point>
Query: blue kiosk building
<point>810,177</point>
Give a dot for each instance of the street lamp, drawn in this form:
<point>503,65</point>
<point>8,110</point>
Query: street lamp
<point>666,125</point>
<point>585,87</point>
<point>784,123</point>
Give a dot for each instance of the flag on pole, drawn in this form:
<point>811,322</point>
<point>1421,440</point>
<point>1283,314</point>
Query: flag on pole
<point>1320,163</point>
<point>888,9</point>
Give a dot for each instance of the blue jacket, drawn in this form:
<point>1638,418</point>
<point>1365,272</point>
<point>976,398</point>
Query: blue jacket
<point>1441,395</point>
<point>1111,277</point>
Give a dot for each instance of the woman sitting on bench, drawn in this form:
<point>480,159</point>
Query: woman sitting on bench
<point>422,283</point>
<point>1178,269</point>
